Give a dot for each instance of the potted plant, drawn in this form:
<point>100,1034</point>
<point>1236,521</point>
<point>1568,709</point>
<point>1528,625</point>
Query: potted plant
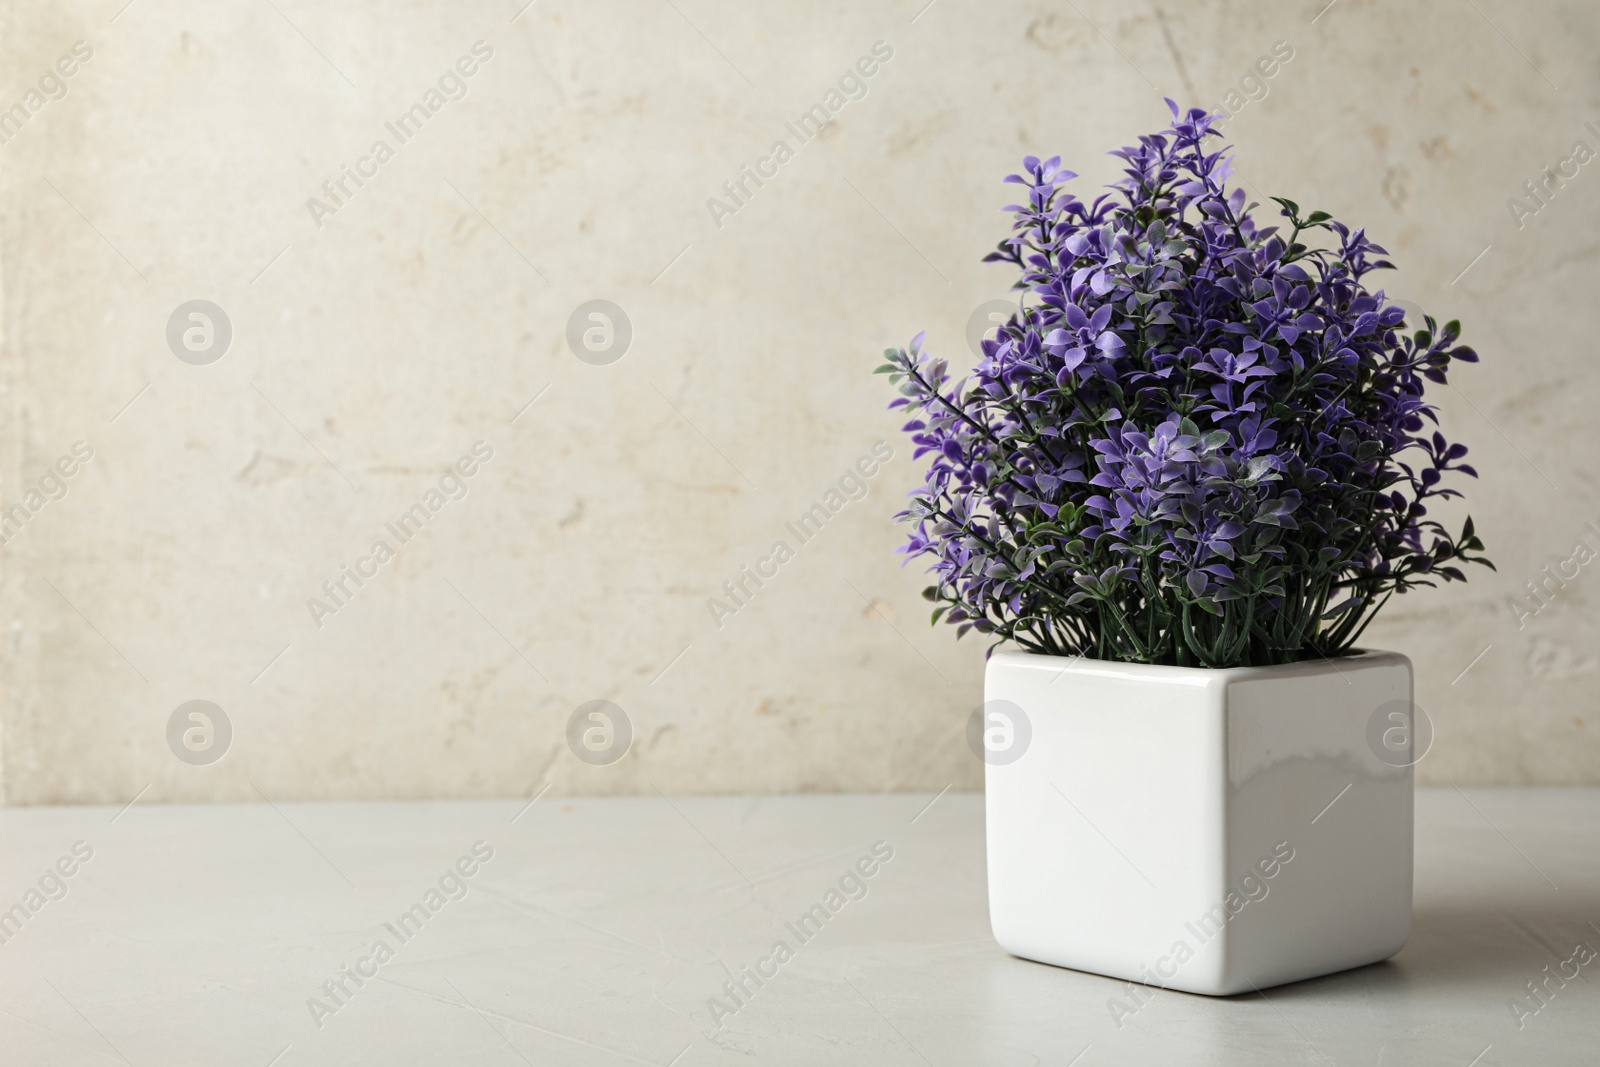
<point>1185,474</point>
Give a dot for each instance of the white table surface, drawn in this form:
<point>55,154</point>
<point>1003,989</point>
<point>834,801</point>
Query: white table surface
<point>600,928</point>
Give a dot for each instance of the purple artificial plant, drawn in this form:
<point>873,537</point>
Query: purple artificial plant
<point>1199,440</point>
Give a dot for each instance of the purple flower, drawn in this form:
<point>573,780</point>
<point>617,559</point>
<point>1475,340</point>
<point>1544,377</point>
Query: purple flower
<point>1201,439</point>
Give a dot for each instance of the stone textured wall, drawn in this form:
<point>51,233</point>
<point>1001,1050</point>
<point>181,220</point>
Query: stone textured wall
<point>376,337</point>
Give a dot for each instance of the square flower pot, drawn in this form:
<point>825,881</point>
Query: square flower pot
<point>1214,831</point>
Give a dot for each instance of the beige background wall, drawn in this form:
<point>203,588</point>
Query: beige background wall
<point>370,353</point>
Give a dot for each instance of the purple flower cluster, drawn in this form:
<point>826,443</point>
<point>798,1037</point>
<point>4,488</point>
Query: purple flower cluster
<point>1199,440</point>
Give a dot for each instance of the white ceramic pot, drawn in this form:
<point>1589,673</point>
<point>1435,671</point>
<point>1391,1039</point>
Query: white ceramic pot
<point>1214,831</point>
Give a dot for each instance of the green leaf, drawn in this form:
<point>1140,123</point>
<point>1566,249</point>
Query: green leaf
<point>1316,217</point>
<point>1341,608</point>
